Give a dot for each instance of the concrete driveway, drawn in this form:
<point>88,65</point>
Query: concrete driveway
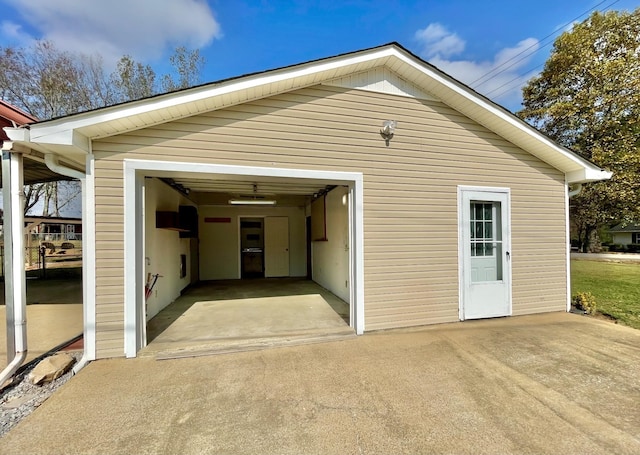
<point>48,325</point>
<point>555,383</point>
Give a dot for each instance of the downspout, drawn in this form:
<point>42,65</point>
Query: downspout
<point>570,193</point>
<point>576,190</point>
<point>52,163</point>
<point>13,191</point>
<point>7,373</point>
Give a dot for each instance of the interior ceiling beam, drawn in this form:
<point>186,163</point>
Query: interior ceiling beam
<point>247,187</point>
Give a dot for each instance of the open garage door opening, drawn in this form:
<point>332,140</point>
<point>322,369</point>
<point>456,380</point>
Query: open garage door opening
<point>224,255</point>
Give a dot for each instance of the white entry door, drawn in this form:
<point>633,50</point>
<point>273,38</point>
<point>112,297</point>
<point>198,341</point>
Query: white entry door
<point>485,253</point>
<point>276,246</point>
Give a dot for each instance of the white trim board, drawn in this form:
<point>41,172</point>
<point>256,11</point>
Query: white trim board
<point>89,258</point>
<point>134,173</point>
<point>567,233</point>
<point>461,189</point>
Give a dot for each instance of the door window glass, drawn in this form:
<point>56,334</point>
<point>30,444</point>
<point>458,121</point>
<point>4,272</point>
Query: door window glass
<point>485,241</point>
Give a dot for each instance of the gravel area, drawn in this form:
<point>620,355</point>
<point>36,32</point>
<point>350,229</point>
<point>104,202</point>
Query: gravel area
<point>20,400</point>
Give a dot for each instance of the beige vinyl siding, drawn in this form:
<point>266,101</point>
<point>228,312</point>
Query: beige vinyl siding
<point>109,259</point>
<point>410,193</point>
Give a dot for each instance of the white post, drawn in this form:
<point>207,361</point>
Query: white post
<point>88,265</point>
<point>89,259</point>
<point>567,196</point>
<point>14,280</point>
<point>357,195</point>
<point>132,300</point>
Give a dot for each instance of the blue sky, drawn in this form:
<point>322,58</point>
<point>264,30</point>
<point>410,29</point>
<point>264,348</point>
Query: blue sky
<point>465,38</point>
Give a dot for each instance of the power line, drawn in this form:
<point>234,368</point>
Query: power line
<point>502,89</point>
<point>532,46</point>
<point>536,44</point>
<point>506,87</point>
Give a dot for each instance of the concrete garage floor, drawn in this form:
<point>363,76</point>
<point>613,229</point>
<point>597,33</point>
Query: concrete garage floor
<point>543,384</point>
<point>229,316</point>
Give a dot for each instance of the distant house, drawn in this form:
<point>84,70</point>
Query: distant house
<point>55,227</point>
<point>51,228</point>
<point>625,234</point>
<point>54,233</point>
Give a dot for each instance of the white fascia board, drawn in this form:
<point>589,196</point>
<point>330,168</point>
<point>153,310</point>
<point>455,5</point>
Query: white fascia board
<point>51,129</point>
<point>17,134</point>
<point>64,137</point>
<point>588,175</point>
<point>63,132</point>
<point>509,120</point>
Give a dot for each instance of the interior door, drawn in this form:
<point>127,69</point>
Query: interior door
<point>276,246</point>
<point>486,255</point>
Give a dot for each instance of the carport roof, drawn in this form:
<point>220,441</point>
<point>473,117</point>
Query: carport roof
<point>71,136</point>
<point>38,172</point>
<point>34,171</point>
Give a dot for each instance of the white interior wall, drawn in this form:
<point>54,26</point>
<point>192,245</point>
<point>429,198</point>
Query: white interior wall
<point>220,241</point>
<point>163,247</point>
<point>330,258</point>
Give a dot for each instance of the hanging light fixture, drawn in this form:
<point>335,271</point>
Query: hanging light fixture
<point>251,202</point>
<point>254,200</point>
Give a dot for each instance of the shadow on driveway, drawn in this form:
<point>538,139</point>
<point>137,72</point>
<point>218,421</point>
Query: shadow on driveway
<point>554,383</point>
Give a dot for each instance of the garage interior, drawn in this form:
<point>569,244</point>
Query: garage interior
<point>238,263</point>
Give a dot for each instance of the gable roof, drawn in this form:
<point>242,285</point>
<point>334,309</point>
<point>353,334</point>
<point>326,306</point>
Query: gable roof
<point>632,227</point>
<point>71,135</point>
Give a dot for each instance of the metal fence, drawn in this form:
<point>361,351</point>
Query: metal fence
<point>47,255</point>
<point>58,237</point>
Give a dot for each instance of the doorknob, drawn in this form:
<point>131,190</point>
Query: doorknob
<point>508,255</point>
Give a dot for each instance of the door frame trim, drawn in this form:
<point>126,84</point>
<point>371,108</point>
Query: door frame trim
<point>134,172</point>
<point>239,247</point>
<point>506,240</point>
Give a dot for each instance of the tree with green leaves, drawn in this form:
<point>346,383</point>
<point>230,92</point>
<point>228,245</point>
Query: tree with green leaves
<point>587,98</point>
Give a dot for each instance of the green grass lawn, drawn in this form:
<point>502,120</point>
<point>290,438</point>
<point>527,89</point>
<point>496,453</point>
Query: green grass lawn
<point>615,286</point>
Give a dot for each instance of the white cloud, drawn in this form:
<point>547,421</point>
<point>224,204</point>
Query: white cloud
<point>516,57</point>
<point>505,71</point>
<point>438,41</point>
<point>13,32</point>
<point>144,29</point>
